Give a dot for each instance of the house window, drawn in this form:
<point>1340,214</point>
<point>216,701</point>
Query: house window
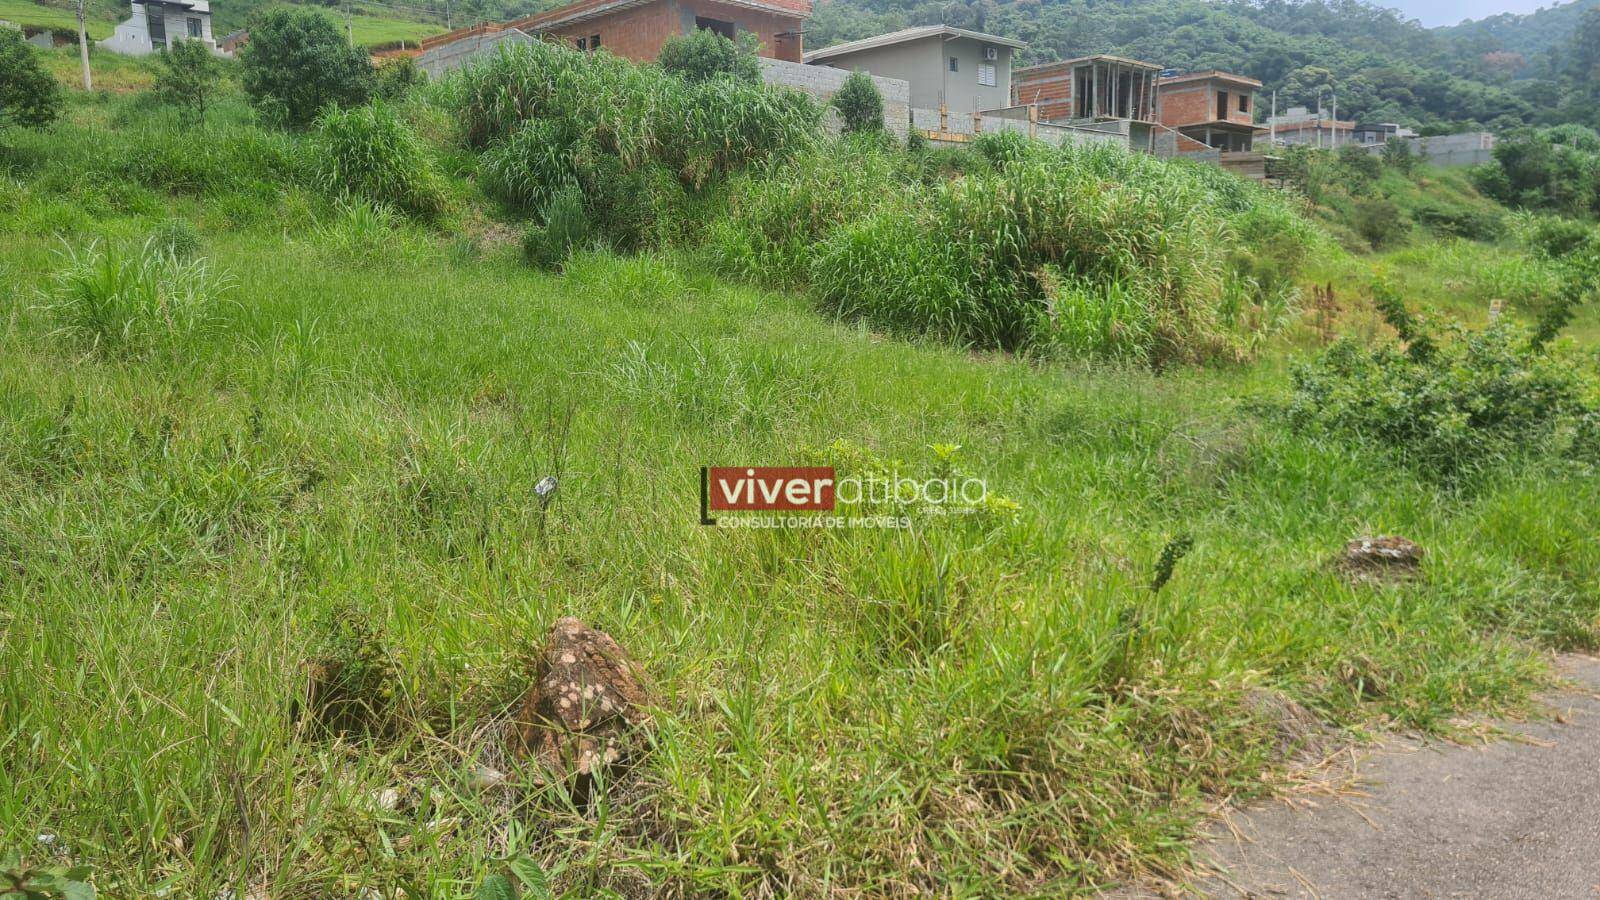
<point>986,74</point>
<point>594,42</point>
<point>194,27</point>
<point>1244,103</point>
<point>955,64</point>
<point>715,26</point>
<point>583,43</point>
<point>1222,104</point>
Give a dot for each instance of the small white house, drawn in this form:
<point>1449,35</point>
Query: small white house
<point>157,23</point>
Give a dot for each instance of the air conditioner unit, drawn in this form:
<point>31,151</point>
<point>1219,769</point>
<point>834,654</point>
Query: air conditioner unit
<point>991,53</point>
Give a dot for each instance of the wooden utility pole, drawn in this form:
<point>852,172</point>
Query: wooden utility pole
<point>83,49</point>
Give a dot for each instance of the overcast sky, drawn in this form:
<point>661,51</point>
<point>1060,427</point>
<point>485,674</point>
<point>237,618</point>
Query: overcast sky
<point>1449,12</point>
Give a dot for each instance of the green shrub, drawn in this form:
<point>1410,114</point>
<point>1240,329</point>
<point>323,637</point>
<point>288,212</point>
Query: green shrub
<point>702,55</point>
<point>298,62</point>
<point>134,302</point>
<point>188,78</point>
<point>1451,406</point>
<point>29,96</point>
<point>859,104</point>
<point>1457,221</point>
<point>1378,221</point>
<point>372,152</point>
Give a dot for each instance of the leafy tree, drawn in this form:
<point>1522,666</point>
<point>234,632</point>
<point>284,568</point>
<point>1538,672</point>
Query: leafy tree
<point>298,62</point>
<point>188,78</point>
<point>28,95</point>
<point>859,103</point>
<point>704,55</point>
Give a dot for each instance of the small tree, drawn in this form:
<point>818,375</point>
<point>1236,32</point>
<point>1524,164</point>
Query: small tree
<point>1397,155</point>
<point>28,95</point>
<point>704,55</point>
<point>188,78</point>
<point>298,62</point>
<point>859,103</point>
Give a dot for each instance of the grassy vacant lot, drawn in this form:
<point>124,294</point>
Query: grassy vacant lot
<point>350,434</point>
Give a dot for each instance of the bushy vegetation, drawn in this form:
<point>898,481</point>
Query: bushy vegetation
<point>372,152</point>
<point>1556,169</point>
<point>703,55</point>
<point>28,95</point>
<point>298,62</point>
<point>631,141</point>
<point>1454,404</point>
<point>188,79</point>
<point>1093,250</point>
<point>1381,201</point>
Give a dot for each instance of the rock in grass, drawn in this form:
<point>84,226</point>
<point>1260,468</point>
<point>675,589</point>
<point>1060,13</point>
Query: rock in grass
<point>1377,560</point>
<point>586,695</point>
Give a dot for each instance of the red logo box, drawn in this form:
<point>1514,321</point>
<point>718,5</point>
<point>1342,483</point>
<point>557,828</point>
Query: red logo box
<point>771,487</point>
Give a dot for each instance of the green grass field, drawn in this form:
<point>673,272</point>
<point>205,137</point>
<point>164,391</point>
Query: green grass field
<point>351,423</point>
<point>367,30</point>
<point>61,18</point>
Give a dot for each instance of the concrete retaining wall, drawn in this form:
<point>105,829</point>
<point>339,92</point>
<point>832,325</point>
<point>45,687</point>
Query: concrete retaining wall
<point>822,82</point>
<point>1470,148</point>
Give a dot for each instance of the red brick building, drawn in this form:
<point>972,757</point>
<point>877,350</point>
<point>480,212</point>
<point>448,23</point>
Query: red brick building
<point>636,29</point>
<point>1214,108</point>
<point>1093,87</point>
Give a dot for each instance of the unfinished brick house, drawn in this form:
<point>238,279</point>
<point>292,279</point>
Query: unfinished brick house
<point>1211,108</point>
<point>636,29</point>
<point>1092,87</point>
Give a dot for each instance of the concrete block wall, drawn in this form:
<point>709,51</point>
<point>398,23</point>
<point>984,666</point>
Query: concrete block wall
<point>443,58</point>
<point>822,82</point>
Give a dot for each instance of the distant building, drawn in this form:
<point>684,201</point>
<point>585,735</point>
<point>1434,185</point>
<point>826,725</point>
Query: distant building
<point>233,40</point>
<point>632,29</point>
<point>155,24</point>
<point>1213,108</point>
<point>1299,126</point>
<point>1379,133</point>
<point>952,68</point>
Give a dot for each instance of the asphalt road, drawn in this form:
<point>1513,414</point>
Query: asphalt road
<point>1508,820</point>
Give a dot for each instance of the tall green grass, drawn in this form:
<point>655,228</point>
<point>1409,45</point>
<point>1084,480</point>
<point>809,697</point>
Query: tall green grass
<point>372,152</point>
<point>1089,251</point>
<point>640,114</point>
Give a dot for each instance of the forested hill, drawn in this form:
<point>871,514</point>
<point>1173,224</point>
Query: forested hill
<point>1382,65</point>
<point>1532,36</point>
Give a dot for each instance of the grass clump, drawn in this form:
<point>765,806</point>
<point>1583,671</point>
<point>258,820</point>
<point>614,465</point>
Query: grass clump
<point>135,301</point>
<point>372,152</point>
<point>639,114</point>
<point>176,237</point>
